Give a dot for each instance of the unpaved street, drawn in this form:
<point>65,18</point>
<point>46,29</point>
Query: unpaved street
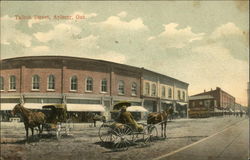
<point>85,143</point>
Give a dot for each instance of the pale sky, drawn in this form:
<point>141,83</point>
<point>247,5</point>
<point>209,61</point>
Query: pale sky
<point>205,44</point>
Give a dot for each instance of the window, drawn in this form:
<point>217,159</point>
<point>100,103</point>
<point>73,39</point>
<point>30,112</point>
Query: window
<point>89,84</point>
<point>163,91</point>
<point>183,95</point>
<point>35,82</point>
<point>104,85</point>
<point>179,94</point>
<point>73,85</point>
<point>169,93</point>
<point>153,90</point>
<point>193,104</point>
<point>12,83</point>
<point>121,90</point>
<point>201,103</point>
<point>1,83</point>
<point>147,89</point>
<point>51,82</point>
<point>134,89</point>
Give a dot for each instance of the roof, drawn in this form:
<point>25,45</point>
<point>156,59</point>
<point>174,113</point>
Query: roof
<point>128,67</point>
<point>201,97</point>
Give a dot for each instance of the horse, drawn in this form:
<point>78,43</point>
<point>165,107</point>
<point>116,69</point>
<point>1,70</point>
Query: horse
<point>160,117</point>
<point>96,117</point>
<point>30,119</point>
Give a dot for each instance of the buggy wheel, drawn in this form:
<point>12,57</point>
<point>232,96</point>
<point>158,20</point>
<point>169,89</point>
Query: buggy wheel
<point>105,133</point>
<point>122,137</point>
<point>150,133</point>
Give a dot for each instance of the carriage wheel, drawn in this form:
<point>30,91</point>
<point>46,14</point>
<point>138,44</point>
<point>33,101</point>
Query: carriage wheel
<point>105,133</point>
<point>122,138</point>
<point>150,133</point>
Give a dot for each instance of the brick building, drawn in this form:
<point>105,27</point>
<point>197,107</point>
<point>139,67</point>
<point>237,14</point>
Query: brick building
<point>223,100</point>
<point>86,85</point>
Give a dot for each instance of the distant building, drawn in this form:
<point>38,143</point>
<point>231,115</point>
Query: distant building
<point>223,100</point>
<point>85,85</point>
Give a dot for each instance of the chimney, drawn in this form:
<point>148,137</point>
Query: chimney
<point>204,90</point>
<point>211,89</point>
<point>217,88</point>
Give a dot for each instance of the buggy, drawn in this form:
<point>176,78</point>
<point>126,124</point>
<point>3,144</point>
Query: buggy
<point>56,119</point>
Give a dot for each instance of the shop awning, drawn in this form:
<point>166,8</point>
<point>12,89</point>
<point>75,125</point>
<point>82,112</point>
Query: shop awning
<point>167,102</point>
<point>218,110</point>
<point>10,106</point>
<point>7,106</point>
<point>182,103</point>
<point>85,107</point>
<point>137,109</point>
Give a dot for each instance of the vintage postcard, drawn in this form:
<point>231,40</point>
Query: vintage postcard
<point>127,80</point>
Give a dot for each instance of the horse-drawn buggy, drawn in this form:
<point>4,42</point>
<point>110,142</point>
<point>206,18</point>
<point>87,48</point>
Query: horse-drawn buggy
<point>125,131</point>
<point>57,120</point>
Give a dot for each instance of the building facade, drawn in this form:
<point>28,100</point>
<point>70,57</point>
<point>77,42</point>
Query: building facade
<point>85,85</point>
<point>223,100</point>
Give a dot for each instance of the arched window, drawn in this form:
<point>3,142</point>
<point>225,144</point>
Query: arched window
<point>104,85</point>
<point>147,89</point>
<point>35,82</point>
<point>179,94</point>
<point>73,83</point>
<point>89,84</point>
<point>1,83</point>
<point>51,82</point>
<point>169,93</point>
<point>134,89</point>
<point>121,89</point>
<point>12,82</point>
<point>163,91</point>
<point>183,95</point>
<point>153,93</point>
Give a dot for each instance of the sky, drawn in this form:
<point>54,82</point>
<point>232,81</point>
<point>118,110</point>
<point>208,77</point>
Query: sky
<point>203,43</point>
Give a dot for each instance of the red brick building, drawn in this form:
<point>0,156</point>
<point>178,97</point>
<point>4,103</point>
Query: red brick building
<point>223,100</point>
<point>86,85</point>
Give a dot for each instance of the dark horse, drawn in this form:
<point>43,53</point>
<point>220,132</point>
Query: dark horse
<point>96,117</point>
<point>31,119</point>
<point>160,117</point>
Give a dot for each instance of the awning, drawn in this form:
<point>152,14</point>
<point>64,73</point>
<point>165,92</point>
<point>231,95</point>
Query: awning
<point>218,110</point>
<point>10,106</point>
<point>181,103</point>
<point>137,109</point>
<point>85,107</point>
<point>7,106</point>
<point>167,102</point>
<point>35,105</point>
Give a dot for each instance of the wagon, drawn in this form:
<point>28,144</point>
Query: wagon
<point>56,120</point>
<point>121,136</point>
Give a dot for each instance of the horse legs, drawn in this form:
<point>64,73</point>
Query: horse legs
<point>165,129</point>
<point>161,129</point>
<point>27,133</point>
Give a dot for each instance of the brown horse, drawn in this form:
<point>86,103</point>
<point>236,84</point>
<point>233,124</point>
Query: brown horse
<point>160,117</point>
<point>31,119</point>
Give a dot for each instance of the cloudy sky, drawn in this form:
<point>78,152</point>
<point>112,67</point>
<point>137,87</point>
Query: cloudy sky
<point>205,44</point>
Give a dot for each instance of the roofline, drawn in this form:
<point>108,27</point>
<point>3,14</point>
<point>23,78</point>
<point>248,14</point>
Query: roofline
<point>97,60</point>
<point>164,75</point>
